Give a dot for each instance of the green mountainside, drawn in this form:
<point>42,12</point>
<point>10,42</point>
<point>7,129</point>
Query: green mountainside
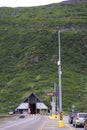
<point>29,54</point>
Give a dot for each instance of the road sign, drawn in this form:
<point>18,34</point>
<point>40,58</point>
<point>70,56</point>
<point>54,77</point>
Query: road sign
<point>49,93</point>
<point>56,93</point>
<point>52,93</point>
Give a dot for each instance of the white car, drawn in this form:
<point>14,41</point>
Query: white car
<point>79,119</point>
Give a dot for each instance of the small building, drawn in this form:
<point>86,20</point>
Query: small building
<point>32,105</point>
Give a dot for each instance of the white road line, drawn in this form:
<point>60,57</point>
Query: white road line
<point>15,124</point>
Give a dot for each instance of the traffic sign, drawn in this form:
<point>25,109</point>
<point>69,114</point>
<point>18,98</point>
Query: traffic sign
<point>56,93</point>
<point>52,93</point>
<point>49,93</point>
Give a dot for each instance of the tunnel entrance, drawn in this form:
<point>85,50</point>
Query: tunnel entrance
<point>32,107</point>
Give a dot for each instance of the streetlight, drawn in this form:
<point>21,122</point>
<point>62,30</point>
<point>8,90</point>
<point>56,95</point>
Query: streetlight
<point>61,122</point>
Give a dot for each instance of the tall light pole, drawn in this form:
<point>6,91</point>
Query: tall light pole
<point>61,122</point>
<point>60,74</point>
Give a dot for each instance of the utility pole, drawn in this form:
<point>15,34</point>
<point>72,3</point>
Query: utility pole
<point>61,122</point>
<point>54,102</point>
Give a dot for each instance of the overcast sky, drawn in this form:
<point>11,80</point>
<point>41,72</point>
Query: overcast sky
<point>26,3</point>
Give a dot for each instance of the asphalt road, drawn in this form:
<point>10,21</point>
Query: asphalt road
<point>31,122</point>
<point>73,128</point>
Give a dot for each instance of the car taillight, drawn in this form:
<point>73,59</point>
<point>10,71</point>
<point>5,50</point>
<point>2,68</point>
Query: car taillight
<point>70,116</point>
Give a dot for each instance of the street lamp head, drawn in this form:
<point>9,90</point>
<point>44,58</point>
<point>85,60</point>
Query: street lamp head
<point>66,29</point>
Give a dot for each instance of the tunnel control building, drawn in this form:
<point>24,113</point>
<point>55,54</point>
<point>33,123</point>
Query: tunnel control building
<point>32,105</point>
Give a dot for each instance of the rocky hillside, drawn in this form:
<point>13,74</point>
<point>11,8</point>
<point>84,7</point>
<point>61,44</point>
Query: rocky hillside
<point>29,54</point>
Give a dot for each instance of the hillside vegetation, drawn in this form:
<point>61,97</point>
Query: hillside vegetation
<point>29,54</point>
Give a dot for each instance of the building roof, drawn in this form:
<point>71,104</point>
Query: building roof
<point>25,104</point>
<point>41,105</point>
<point>22,106</point>
<point>32,95</point>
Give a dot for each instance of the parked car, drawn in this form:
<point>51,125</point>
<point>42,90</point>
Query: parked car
<point>71,116</point>
<point>85,124</point>
<point>79,119</point>
<point>11,113</point>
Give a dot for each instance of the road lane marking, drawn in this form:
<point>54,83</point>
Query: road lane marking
<point>43,124</point>
<point>16,124</point>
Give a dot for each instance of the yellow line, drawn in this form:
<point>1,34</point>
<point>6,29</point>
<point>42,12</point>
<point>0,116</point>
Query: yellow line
<point>43,124</point>
<point>41,127</point>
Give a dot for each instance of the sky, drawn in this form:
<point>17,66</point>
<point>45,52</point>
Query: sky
<point>26,3</point>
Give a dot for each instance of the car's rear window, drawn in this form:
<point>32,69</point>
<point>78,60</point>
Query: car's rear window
<point>73,114</point>
<point>83,115</point>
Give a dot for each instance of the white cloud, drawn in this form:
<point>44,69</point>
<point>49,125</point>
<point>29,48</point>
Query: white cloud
<point>26,3</point>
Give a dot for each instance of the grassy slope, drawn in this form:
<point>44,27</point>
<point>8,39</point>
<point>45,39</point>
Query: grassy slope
<point>29,54</point>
